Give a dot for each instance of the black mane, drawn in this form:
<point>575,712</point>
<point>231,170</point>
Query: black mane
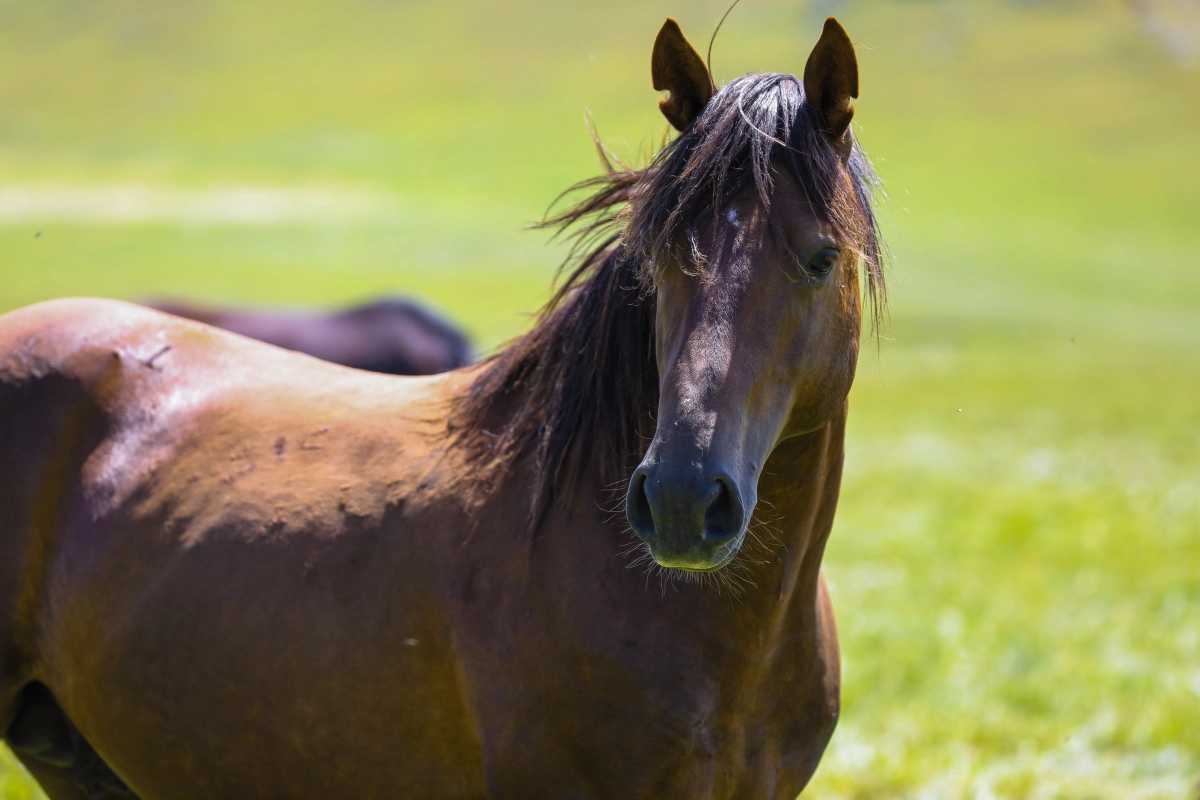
<point>581,387</point>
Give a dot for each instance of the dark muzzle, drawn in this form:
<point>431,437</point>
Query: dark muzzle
<point>691,518</point>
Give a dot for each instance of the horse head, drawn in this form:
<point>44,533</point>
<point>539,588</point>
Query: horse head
<point>754,227</point>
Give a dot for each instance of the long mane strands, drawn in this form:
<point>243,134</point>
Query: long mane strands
<point>582,384</point>
<point>580,389</point>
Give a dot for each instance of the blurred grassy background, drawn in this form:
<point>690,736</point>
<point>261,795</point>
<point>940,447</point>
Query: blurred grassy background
<point>1016,563</point>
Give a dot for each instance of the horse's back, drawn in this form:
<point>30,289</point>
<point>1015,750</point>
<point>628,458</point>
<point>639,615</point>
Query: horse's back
<point>103,403</point>
<point>170,495</point>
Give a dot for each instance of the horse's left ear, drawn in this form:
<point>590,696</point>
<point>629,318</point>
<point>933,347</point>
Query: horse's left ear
<point>677,67</point>
<point>831,81</point>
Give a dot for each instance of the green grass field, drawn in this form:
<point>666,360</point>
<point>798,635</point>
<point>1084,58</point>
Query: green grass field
<point>1016,561</point>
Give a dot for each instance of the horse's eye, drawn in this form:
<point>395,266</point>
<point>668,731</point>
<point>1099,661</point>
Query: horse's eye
<point>824,261</point>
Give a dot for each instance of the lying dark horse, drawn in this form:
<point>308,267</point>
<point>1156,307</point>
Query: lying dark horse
<point>394,336</point>
<point>229,571</point>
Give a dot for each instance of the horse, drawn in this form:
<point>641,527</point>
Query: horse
<point>392,335</point>
<point>228,570</point>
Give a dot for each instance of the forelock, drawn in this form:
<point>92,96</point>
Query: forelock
<point>752,127</point>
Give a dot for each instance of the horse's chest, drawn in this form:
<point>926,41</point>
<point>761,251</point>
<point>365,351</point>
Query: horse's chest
<point>748,733</point>
<point>659,724</point>
<point>587,678</point>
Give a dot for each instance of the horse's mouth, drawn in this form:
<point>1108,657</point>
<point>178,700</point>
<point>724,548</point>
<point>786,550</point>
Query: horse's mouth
<point>725,555</point>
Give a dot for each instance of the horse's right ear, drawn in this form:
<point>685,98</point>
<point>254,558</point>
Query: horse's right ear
<point>677,67</point>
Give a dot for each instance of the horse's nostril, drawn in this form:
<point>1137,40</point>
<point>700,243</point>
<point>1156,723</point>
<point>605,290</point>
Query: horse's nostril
<point>637,507</point>
<point>722,518</point>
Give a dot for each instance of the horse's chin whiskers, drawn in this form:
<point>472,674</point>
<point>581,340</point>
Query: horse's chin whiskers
<point>757,547</point>
<point>727,580</point>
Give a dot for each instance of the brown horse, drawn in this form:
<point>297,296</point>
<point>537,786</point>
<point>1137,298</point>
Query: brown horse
<point>230,571</point>
<point>393,335</point>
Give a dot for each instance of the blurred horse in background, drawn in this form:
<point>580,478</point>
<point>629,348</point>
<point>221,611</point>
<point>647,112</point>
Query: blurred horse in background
<point>393,335</point>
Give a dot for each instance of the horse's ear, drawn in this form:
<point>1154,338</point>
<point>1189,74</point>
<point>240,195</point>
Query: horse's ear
<point>677,67</point>
<point>831,80</point>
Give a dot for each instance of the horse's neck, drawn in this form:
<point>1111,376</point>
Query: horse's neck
<point>798,493</point>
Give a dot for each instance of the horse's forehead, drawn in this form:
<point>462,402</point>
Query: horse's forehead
<point>787,209</point>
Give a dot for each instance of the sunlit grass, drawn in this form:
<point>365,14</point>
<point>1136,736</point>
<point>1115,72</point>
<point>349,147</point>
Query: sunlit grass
<point>15,783</point>
<point>1017,591</point>
<point>1016,582</point>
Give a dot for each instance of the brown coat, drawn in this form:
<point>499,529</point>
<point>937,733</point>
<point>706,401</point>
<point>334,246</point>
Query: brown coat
<point>243,574</point>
